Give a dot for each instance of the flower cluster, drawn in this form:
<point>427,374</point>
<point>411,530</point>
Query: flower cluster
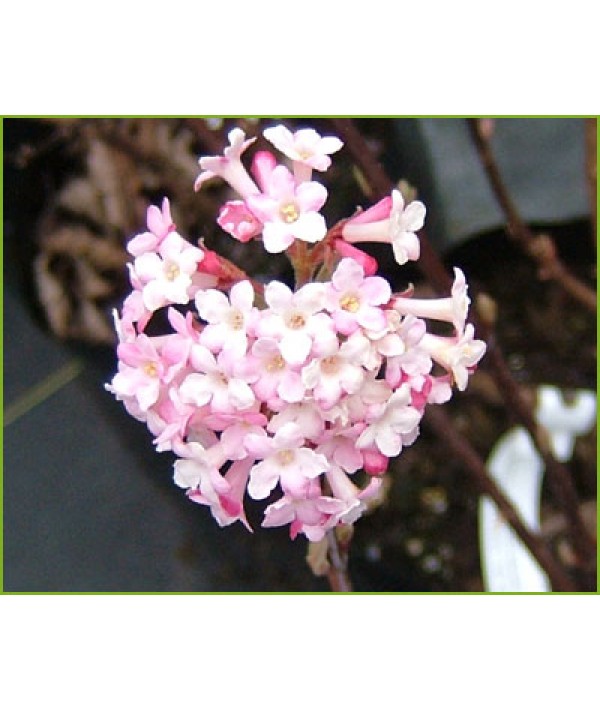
<point>298,397</point>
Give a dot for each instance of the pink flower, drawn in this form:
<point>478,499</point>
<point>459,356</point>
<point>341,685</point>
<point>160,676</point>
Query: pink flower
<point>311,515</point>
<point>284,460</point>
<point>160,224</point>
<point>227,506</point>
<point>305,415</point>
<point>453,309</point>
<point>141,372</point>
<point>353,300</point>
<point>169,420</point>
<point>271,376</point>
<point>214,382</point>
<point>389,221</point>
<point>229,166</point>
<point>394,427</point>
<point>133,312</point>
<point>337,372</point>
<point>339,446</point>
<point>289,211</point>
<point>413,360</point>
<point>305,147</point>
<point>200,469</point>
<point>237,220</point>
<point>353,498</point>
<point>229,320</point>
<point>294,320</point>
<point>167,276</point>
<point>233,437</point>
<point>458,354</point>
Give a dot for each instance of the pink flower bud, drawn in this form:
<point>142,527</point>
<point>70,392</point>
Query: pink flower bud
<point>368,263</point>
<point>375,463</point>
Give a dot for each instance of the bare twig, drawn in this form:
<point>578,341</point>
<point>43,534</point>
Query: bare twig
<point>539,247</point>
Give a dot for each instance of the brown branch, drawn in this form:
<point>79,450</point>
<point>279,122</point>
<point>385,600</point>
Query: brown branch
<point>444,428</point>
<point>539,248</point>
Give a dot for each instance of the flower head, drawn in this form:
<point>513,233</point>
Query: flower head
<point>285,393</point>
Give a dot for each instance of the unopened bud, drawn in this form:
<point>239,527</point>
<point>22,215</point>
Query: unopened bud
<point>374,463</point>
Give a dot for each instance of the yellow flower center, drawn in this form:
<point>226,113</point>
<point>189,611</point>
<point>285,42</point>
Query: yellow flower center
<point>275,363</point>
<point>285,457</point>
<point>289,213</point>
<point>295,321</point>
<point>151,369</point>
<point>330,365</point>
<point>172,271</point>
<point>236,320</point>
<point>350,303</point>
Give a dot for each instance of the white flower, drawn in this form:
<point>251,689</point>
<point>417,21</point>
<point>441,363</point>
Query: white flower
<point>395,427</point>
<point>166,276</point>
<point>229,166</point>
<point>305,147</point>
<point>294,320</point>
<point>214,382</point>
<point>404,222</point>
<point>228,319</point>
<point>459,354</point>
<point>285,460</point>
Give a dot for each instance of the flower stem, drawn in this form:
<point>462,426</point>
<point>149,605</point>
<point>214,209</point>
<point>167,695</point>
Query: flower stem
<point>339,579</point>
<point>300,257</point>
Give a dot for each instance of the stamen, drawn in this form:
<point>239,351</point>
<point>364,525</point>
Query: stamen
<point>285,457</point>
<point>172,271</point>
<point>330,365</point>
<point>151,369</point>
<point>296,321</point>
<point>236,320</point>
<point>289,213</point>
<point>275,363</point>
<point>350,303</point>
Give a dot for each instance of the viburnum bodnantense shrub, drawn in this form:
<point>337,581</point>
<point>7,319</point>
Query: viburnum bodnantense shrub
<point>293,396</point>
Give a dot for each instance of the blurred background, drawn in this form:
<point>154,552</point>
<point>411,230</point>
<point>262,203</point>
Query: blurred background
<point>88,504</point>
